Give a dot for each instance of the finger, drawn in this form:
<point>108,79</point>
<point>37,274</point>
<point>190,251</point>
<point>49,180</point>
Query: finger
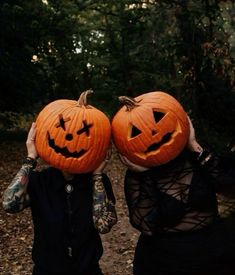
<point>32,132</point>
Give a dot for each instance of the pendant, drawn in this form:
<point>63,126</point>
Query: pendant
<point>68,188</point>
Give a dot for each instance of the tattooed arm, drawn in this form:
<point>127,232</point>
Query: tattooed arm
<point>104,213</point>
<point>15,197</point>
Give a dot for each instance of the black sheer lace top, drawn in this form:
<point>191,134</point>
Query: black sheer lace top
<point>178,196</point>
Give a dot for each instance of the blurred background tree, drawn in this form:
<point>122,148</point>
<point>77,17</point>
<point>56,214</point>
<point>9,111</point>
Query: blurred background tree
<point>56,49</point>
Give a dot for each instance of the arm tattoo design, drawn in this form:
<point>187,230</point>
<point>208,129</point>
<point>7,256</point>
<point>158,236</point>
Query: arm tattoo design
<point>104,213</point>
<point>15,197</point>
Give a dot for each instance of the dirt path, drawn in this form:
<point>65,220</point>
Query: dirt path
<point>16,230</point>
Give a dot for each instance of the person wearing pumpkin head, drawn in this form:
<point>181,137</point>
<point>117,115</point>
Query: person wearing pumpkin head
<point>170,188</point>
<point>71,202</point>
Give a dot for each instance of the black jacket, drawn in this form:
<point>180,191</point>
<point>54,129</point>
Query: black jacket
<point>64,235</point>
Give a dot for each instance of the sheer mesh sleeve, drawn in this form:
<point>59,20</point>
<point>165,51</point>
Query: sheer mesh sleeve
<point>149,208</point>
<point>141,202</point>
<point>179,195</point>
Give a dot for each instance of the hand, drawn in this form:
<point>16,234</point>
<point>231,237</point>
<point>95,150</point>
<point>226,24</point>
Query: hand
<point>131,165</point>
<point>193,145</point>
<point>30,142</point>
<point>103,164</point>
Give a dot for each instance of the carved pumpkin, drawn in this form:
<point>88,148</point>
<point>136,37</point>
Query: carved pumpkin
<point>150,129</point>
<point>72,135</point>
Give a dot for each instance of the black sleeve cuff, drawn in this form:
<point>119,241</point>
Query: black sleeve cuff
<point>30,161</point>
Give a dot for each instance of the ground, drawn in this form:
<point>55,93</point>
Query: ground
<point>16,229</point>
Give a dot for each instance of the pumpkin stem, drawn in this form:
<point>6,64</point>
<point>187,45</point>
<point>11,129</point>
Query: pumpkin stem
<point>82,101</point>
<point>129,102</point>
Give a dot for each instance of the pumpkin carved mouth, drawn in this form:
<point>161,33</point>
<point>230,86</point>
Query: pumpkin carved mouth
<point>156,146</point>
<point>64,150</point>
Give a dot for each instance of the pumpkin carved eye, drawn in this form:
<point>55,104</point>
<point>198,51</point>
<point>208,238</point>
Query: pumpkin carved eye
<point>158,116</point>
<point>85,129</point>
<point>62,121</point>
<point>134,131</point>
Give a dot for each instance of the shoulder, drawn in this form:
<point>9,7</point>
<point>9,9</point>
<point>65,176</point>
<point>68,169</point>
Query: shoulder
<point>44,172</point>
<point>43,176</point>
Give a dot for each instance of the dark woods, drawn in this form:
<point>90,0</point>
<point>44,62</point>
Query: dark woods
<point>57,49</point>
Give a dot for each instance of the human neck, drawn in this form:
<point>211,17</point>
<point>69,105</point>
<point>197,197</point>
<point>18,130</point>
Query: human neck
<point>67,175</point>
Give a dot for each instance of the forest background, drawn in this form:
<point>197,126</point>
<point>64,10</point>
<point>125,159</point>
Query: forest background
<point>52,49</point>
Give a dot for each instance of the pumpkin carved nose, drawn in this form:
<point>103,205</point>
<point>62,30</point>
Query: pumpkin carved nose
<point>69,137</point>
<point>154,132</point>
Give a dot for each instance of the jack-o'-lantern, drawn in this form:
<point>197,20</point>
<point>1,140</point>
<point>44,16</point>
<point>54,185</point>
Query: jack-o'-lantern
<point>72,135</point>
<point>151,129</point>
